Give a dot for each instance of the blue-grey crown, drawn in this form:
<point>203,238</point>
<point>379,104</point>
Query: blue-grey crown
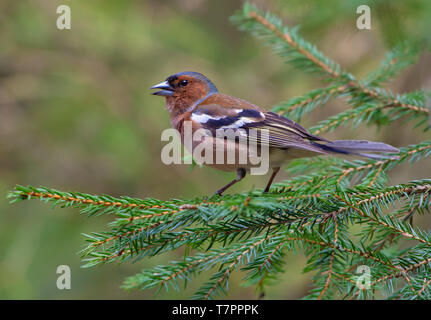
<point>200,76</point>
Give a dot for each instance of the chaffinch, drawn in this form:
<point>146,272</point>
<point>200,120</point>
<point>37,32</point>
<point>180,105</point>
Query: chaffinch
<point>190,96</point>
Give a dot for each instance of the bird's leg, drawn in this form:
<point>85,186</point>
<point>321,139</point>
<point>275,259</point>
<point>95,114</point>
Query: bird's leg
<point>240,174</point>
<point>274,173</point>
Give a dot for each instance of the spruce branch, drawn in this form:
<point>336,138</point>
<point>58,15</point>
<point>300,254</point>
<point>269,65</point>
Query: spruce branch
<point>286,42</point>
<point>330,270</point>
<point>396,60</point>
<point>307,57</point>
<point>295,108</point>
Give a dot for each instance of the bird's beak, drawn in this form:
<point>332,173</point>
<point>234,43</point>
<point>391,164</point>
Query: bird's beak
<point>167,90</point>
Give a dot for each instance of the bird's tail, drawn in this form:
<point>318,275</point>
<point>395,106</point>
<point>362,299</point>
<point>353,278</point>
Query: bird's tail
<point>379,150</point>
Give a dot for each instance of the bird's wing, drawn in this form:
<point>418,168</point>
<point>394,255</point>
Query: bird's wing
<point>266,128</point>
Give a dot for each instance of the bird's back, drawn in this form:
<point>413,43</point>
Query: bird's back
<point>226,101</point>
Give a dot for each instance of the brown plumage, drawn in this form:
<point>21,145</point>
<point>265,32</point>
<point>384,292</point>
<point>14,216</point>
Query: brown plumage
<point>190,96</point>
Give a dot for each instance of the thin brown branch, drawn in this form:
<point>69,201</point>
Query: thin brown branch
<point>353,84</point>
<point>426,283</point>
<point>90,201</point>
<point>286,37</point>
<point>232,266</point>
<point>390,102</point>
<point>376,175</point>
<point>404,190</point>
<point>363,214</point>
<point>331,261</point>
<point>402,271</point>
<point>316,97</point>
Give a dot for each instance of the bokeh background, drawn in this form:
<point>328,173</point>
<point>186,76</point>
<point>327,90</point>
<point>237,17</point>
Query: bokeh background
<point>76,115</point>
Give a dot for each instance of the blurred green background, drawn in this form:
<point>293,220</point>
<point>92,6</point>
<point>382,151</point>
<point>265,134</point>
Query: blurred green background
<point>76,114</point>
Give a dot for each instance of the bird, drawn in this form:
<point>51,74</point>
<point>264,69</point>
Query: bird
<point>191,98</point>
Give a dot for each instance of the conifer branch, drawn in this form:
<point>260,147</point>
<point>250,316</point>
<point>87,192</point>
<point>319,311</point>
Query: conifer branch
<point>331,261</point>
<point>286,42</point>
<point>306,56</point>
<point>396,60</point>
<point>295,108</point>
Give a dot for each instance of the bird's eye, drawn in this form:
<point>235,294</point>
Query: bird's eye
<point>183,83</point>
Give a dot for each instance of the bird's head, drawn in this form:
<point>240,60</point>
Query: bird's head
<point>184,89</point>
